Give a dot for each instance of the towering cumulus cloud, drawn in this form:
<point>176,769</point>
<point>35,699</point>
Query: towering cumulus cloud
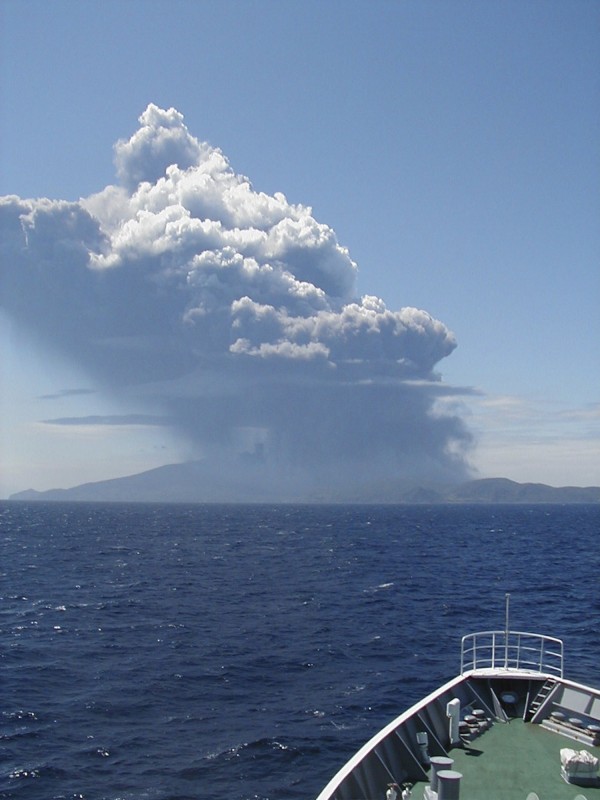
<point>238,311</point>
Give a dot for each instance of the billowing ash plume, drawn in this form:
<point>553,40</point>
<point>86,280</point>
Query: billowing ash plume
<point>239,311</point>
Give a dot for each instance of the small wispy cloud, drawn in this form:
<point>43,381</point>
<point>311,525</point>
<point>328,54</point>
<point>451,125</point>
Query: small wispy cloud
<point>66,393</point>
<point>515,413</point>
<point>113,419</point>
<point>588,413</point>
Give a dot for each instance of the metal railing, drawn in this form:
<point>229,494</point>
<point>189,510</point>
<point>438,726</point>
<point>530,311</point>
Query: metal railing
<point>511,650</point>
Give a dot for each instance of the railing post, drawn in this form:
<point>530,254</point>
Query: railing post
<point>506,630</point>
<point>560,656</point>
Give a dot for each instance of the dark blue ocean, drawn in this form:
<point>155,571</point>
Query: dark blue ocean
<point>244,652</point>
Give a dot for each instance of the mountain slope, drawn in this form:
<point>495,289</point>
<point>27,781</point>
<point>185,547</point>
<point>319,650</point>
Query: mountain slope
<point>198,482</point>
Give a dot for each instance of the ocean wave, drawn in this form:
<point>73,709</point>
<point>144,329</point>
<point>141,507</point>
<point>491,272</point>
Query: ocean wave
<point>244,653</point>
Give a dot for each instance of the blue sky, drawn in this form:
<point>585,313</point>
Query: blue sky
<point>451,146</point>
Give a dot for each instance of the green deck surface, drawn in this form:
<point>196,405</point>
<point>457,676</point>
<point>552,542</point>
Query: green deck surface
<point>510,760</point>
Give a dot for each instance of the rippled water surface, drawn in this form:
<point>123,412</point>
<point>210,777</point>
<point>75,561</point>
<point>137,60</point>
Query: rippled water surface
<point>244,652</point>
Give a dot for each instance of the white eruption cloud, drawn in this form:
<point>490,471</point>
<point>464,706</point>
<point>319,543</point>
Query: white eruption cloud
<point>238,310</point>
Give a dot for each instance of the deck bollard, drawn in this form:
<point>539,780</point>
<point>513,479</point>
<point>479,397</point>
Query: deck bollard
<point>448,784</point>
<point>439,763</point>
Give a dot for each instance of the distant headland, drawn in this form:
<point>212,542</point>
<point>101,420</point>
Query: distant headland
<point>195,482</point>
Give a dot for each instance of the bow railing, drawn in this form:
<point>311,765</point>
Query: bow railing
<point>511,650</point>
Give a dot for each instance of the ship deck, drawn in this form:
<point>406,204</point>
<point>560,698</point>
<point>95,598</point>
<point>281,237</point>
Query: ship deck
<point>531,758</point>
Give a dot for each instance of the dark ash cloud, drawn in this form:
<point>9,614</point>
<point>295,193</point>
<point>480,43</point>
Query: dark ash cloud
<point>236,311</point>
